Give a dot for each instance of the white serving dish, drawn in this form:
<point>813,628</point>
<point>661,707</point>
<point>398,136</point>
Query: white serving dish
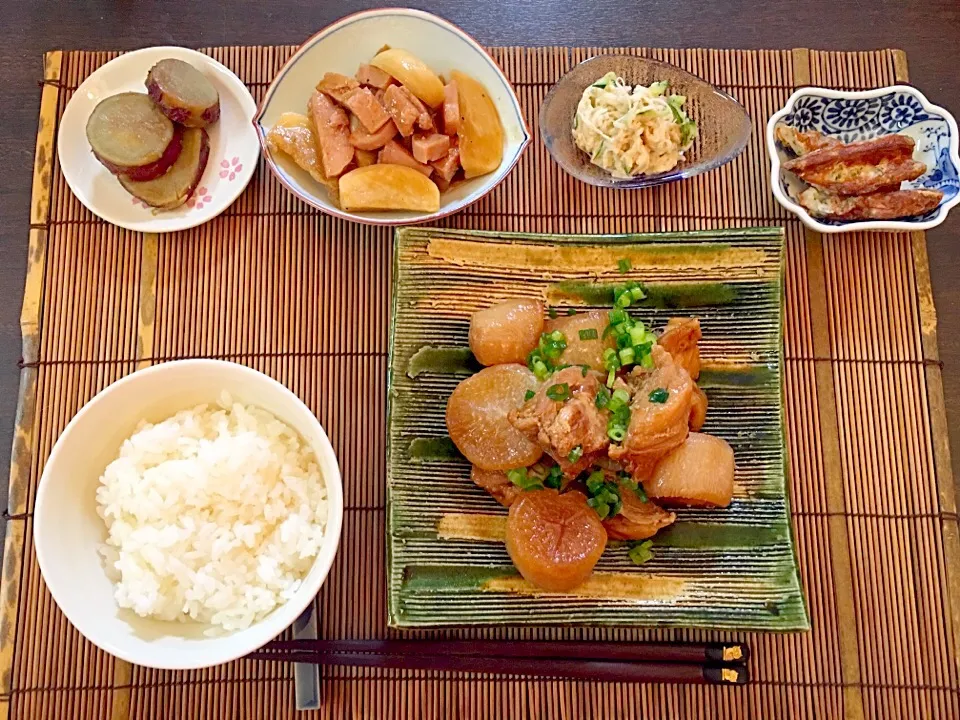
<point>862,115</point>
<point>342,47</point>
<point>234,148</point>
<point>68,531</point>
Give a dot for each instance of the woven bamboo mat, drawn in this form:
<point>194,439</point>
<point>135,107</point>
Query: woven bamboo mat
<point>305,298</point>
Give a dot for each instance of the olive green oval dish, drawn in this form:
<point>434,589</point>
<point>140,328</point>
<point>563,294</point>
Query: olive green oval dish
<point>733,568</point>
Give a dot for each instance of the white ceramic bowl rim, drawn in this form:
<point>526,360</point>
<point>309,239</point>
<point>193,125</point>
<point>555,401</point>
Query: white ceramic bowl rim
<point>857,225</point>
<point>349,20</point>
<point>282,616</point>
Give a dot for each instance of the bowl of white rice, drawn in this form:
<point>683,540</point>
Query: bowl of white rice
<point>188,514</point>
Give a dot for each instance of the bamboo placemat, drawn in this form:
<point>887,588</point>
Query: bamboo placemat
<point>305,298</point>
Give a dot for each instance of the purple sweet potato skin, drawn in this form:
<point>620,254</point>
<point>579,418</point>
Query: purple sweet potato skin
<point>202,159</point>
<point>153,170</point>
<point>178,113</point>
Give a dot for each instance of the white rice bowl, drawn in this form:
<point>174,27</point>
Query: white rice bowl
<point>214,515</point>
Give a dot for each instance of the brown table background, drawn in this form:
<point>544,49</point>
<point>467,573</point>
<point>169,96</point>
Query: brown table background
<point>929,31</point>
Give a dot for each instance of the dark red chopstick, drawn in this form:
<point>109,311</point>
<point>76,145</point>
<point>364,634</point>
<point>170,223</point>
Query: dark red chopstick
<point>606,671</point>
<point>627,651</point>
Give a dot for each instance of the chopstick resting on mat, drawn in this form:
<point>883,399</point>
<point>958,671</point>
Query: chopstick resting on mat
<point>712,663</point>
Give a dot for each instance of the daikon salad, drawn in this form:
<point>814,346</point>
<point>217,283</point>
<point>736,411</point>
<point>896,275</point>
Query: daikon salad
<point>630,131</point>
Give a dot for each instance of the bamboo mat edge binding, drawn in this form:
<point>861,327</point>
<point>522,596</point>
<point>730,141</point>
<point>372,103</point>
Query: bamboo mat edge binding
<point>27,422</point>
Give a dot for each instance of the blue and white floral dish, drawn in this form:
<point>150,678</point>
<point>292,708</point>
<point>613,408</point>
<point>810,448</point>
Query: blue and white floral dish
<point>854,116</point>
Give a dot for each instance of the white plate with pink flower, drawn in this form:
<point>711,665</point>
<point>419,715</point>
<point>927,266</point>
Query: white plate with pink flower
<point>234,146</point>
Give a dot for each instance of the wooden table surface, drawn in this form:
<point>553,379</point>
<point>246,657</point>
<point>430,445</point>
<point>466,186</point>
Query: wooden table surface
<point>929,31</point>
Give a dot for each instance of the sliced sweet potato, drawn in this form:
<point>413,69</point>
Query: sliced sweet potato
<point>388,187</point>
<point>394,153</point>
<point>480,132</point>
<point>131,137</point>
<point>363,140</point>
<point>173,188</point>
<point>411,71</point>
<point>183,93</point>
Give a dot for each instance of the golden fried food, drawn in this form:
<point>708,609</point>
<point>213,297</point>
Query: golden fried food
<point>802,143</point>
<point>859,168</point>
<point>877,206</point>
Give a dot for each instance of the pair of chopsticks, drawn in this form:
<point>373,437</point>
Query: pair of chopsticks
<point>709,663</point>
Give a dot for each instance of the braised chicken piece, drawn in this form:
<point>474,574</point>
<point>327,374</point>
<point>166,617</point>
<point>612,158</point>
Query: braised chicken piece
<point>659,415</point>
<point>477,418</point>
<point>680,338</point>
<point>638,519</point>
<point>698,409</point>
<point>554,540</point>
<point>570,429</point>
<point>860,168</point>
<point>698,473</point>
<point>801,143</point>
<point>496,483</point>
<point>878,206</point>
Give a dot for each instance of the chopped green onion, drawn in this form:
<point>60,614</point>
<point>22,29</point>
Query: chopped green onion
<point>660,395</point>
<point>617,433</point>
<point>611,378</point>
<point>604,496</point>
<point>624,300</point>
<point>640,552</point>
<point>571,312</point>
<point>575,454</point>
<point>603,398</point>
<point>624,264</point>
<point>588,334</point>
<point>584,369</point>
<point>554,478</point>
<point>595,481</point>
<point>626,356</point>
<point>622,395</point>
<point>528,395</point>
<point>552,312</point>
<point>524,481</point>
<point>559,392</point>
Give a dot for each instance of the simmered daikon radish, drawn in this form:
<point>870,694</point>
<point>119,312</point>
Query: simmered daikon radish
<point>506,332</point>
<point>698,473</point>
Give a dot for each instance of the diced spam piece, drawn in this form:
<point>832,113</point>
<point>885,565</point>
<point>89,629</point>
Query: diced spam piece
<point>424,119</point>
<point>427,148</point>
<point>451,108</point>
<point>364,140</point>
<point>338,86</point>
<point>394,153</point>
<point>442,185</point>
<point>373,77</point>
<point>447,165</point>
<point>333,134</point>
<point>404,113</point>
<point>358,100</point>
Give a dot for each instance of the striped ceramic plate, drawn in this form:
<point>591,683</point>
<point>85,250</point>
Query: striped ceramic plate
<point>730,568</point>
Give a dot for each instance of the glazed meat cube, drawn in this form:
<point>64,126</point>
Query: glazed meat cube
<point>374,77</point>
<point>401,109</point>
<point>451,109</point>
<point>561,426</point>
<point>363,140</point>
<point>427,148</point>
<point>333,134</point>
<point>447,165</point>
<point>394,153</point>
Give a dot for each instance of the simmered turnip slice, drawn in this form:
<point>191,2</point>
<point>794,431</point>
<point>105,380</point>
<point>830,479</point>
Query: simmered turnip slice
<point>477,418</point>
<point>554,540</point>
<point>172,189</point>
<point>506,332</point>
<point>183,93</point>
<point>699,473</point>
<point>130,136</point>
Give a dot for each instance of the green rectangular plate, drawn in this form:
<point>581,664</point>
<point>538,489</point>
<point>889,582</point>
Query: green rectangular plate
<point>729,568</point>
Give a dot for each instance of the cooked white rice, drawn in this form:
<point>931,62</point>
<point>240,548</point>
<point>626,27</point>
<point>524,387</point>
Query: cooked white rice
<point>214,515</point>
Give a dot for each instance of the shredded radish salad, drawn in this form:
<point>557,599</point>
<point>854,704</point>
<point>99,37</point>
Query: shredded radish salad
<point>630,131</point>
